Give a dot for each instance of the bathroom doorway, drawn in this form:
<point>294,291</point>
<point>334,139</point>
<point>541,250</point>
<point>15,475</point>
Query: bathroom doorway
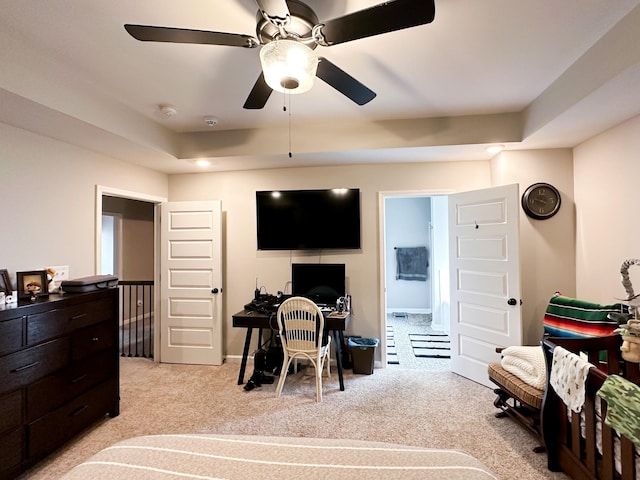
<point>416,281</point>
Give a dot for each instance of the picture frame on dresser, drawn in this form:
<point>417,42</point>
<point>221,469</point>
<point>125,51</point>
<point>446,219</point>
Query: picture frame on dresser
<point>5,281</point>
<point>32,284</point>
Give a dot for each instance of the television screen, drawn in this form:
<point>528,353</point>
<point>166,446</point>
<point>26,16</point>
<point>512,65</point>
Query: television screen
<point>308,219</point>
<point>323,283</point>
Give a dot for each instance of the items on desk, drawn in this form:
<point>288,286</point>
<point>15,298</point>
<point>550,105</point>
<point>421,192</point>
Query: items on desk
<point>267,304</point>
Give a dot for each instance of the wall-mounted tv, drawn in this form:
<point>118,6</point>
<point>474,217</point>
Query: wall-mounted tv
<point>323,283</point>
<point>308,219</point>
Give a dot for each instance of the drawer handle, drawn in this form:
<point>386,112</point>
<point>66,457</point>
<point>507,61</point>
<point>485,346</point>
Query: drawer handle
<point>79,410</point>
<point>77,317</point>
<point>95,339</point>
<point>81,377</point>
<point>25,367</point>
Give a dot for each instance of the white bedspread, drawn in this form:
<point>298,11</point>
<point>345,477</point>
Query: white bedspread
<point>239,457</point>
<point>526,363</point>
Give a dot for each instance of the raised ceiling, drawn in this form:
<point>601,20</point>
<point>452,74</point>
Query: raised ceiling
<point>543,74</point>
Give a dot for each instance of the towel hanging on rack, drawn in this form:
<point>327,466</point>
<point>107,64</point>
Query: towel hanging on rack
<point>412,263</point>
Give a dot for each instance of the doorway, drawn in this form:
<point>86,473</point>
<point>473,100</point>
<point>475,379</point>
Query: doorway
<point>415,266</point>
<point>126,246</point>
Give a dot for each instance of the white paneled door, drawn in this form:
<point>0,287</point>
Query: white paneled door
<point>484,277</point>
<point>191,283</point>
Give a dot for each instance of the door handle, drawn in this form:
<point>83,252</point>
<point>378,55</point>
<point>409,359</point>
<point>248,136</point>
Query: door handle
<point>512,301</point>
<point>215,290</point>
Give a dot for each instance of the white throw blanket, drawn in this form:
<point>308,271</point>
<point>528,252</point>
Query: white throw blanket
<point>526,363</point>
<point>568,376</point>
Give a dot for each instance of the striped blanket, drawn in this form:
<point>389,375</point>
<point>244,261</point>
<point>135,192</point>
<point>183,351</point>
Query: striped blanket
<point>238,457</point>
<point>569,317</point>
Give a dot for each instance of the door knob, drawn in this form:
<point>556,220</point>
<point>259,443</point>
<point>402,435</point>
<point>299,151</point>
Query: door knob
<point>215,290</point>
<point>512,301</point>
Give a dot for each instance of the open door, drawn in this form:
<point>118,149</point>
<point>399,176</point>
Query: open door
<point>484,278</point>
<point>191,283</point>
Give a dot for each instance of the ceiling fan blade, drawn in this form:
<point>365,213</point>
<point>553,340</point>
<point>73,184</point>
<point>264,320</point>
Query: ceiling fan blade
<point>275,10</point>
<point>148,33</point>
<point>382,18</point>
<point>259,94</point>
<point>343,82</point>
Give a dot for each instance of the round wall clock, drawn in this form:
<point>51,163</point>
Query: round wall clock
<point>541,201</point>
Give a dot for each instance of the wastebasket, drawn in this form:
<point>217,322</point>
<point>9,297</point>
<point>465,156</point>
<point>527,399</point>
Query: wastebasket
<point>362,354</point>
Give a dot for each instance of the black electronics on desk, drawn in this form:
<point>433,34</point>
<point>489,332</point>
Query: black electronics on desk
<point>265,304</point>
<point>323,283</point>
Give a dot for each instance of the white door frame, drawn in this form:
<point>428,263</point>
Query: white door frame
<point>116,192</point>
<point>382,295</point>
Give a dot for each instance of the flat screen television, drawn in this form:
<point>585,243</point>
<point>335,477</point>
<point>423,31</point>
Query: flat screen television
<point>323,283</point>
<point>308,219</point>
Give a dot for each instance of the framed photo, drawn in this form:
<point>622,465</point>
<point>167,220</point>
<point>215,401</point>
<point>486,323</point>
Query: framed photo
<point>32,284</point>
<point>5,282</point>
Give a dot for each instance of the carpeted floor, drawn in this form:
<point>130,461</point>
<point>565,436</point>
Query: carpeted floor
<point>429,409</point>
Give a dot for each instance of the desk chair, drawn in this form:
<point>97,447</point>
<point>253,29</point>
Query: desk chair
<point>301,326</point>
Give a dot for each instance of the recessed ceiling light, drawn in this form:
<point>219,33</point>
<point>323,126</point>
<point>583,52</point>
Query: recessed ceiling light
<point>493,149</point>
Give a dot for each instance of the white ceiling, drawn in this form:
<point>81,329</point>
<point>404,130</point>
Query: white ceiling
<point>527,74</point>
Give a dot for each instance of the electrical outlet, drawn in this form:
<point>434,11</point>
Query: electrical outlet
<point>61,273</point>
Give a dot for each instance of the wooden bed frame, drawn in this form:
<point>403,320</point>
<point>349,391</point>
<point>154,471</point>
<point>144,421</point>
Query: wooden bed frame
<point>572,440</point>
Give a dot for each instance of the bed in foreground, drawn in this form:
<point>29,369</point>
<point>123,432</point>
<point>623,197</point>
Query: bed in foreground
<point>241,457</point>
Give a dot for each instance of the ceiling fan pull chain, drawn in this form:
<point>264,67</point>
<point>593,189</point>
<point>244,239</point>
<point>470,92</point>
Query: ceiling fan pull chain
<point>289,99</point>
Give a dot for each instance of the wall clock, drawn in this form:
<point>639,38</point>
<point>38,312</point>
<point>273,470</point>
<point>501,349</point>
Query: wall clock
<point>541,201</point>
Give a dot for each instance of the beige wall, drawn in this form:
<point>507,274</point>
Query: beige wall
<point>138,254</point>
<point>47,207</point>
<point>243,264</point>
<point>607,182</point>
<point>47,211</point>
<point>547,247</point>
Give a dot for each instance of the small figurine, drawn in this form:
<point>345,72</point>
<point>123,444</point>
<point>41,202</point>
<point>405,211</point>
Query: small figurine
<point>51,275</point>
<point>630,333</point>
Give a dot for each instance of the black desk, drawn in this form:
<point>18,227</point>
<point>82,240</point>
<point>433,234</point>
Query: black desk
<point>334,322</point>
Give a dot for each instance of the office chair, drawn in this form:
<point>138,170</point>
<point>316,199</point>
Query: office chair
<point>301,325</point>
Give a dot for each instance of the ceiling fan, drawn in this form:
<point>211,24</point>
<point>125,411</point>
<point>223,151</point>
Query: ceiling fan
<point>289,29</point>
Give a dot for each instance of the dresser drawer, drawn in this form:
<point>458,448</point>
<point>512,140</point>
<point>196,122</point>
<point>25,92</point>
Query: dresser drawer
<point>11,335</point>
<point>54,323</point>
<point>93,339</point>
<point>58,388</point>
<point>10,411</point>
<point>11,447</point>
<point>21,368</point>
<point>46,433</point>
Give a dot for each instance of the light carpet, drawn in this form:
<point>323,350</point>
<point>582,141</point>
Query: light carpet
<point>427,409</point>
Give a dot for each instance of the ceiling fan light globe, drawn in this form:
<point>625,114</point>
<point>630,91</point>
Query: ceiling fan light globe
<point>288,66</point>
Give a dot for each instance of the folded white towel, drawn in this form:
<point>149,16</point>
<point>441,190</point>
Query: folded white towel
<point>526,363</point>
<point>568,376</point>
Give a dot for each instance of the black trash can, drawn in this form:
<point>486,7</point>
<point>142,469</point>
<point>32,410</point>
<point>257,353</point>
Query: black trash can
<point>363,354</point>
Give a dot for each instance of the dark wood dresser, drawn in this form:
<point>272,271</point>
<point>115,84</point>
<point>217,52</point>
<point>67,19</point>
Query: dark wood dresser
<point>59,372</point>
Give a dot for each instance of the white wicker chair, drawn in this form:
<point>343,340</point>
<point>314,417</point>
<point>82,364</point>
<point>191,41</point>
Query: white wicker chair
<point>301,325</point>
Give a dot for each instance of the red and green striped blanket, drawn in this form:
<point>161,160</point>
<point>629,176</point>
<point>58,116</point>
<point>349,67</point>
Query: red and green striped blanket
<point>569,317</point>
